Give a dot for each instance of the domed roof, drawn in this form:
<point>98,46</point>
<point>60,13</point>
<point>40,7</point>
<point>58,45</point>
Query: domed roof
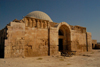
<point>39,15</point>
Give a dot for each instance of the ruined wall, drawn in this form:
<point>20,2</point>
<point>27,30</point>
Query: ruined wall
<point>80,29</point>
<point>94,42</point>
<point>97,46</point>
<point>52,24</point>
<point>89,41</point>
<point>14,44</point>
<point>81,39</point>
<point>78,42</point>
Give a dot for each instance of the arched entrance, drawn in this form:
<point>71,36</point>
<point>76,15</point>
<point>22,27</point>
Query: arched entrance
<point>61,36</point>
<point>64,38</point>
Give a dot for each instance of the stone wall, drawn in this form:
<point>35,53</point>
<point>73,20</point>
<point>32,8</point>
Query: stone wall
<point>94,42</point>
<point>35,37</point>
<point>80,29</point>
<point>26,41</point>
<point>52,24</point>
<point>97,46</point>
<point>36,42</point>
<point>73,40</point>
<point>89,41</point>
<point>78,42</point>
<point>14,44</point>
<point>53,41</point>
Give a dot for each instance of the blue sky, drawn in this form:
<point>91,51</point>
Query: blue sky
<point>85,13</point>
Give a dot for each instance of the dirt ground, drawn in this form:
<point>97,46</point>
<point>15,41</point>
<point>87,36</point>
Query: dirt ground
<point>91,59</point>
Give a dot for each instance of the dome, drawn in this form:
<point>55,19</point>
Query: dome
<point>39,15</point>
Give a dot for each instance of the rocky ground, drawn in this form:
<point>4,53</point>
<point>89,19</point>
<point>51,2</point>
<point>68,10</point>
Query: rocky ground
<point>91,59</point>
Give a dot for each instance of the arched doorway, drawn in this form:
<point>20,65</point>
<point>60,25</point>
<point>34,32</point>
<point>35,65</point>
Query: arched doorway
<point>64,38</point>
<point>61,36</point>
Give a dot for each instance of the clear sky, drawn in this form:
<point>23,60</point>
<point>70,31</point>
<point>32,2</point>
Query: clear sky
<point>85,13</point>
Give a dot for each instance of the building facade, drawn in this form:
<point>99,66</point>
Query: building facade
<point>37,35</point>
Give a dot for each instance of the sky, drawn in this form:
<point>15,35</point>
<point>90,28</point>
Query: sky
<point>84,13</point>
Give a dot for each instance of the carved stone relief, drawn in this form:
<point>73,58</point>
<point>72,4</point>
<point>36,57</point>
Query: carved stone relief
<point>45,24</point>
<point>39,24</point>
<point>34,23</point>
<point>30,23</point>
<point>26,21</point>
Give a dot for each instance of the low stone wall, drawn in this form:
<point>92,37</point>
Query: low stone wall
<point>97,46</point>
<point>94,42</point>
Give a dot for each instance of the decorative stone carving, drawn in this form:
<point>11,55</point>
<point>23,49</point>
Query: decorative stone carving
<point>22,21</point>
<point>38,24</point>
<point>45,24</point>
<point>34,23</point>
<point>26,21</point>
<point>30,22</point>
<point>41,24</point>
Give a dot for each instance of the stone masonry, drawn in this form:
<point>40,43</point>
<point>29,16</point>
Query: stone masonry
<point>31,37</point>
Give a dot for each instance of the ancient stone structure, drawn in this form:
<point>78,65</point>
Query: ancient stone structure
<point>95,45</point>
<point>37,35</point>
<point>94,42</point>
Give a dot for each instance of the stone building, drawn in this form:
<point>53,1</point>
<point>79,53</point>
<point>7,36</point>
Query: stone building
<point>95,45</point>
<point>94,42</point>
<point>37,35</point>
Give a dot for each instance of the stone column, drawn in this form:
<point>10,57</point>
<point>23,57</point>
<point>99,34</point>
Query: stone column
<point>45,22</point>
<point>48,24</point>
<point>34,23</point>
<point>26,21</point>
<point>41,24</point>
<point>38,23</point>
<point>89,41</point>
<point>30,22</point>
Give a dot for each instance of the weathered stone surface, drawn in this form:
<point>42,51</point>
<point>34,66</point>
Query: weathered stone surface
<point>89,41</point>
<point>78,42</point>
<point>53,41</point>
<point>97,46</point>
<point>36,37</point>
<point>94,42</point>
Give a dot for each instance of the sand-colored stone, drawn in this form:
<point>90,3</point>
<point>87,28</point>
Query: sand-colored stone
<point>94,42</point>
<point>31,37</point>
